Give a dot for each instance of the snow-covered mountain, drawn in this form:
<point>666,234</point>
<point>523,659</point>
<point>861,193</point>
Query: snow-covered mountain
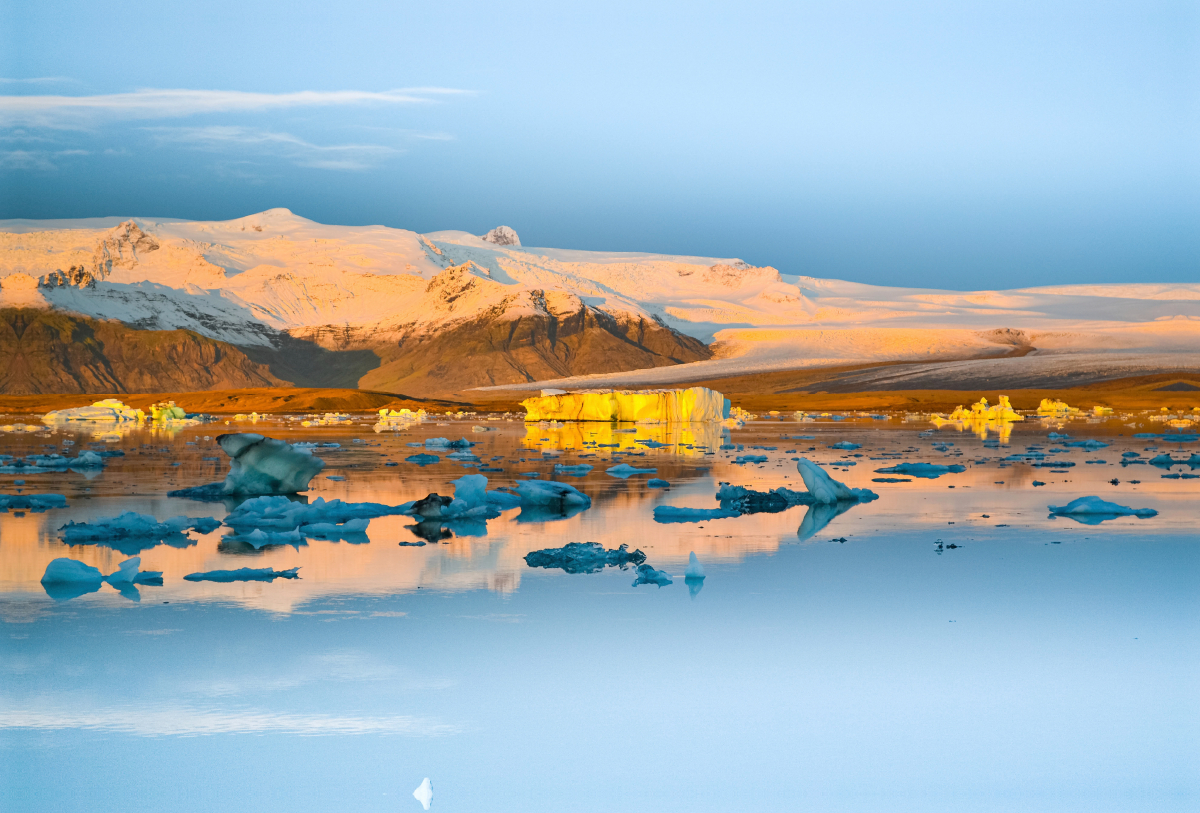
<point>440,312</point>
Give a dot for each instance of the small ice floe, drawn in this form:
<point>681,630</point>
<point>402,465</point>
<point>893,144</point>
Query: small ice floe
<point>929,471</point>
<point>422,459</point>
<point>576,471</point>
<point>825,490</point>
<point>648,575</point>
<point>35,503</point>
<point>742,460</point>
<point>625,471</point>
<point>695,570</point>
<point>1165,461</point>
<point>38,463</point>
<point>584,557</point>
<point>335,477</point>
<point>654,482</point>
<point>259,466</point>
<point>243,574</point>
<point>1093,510</point>
<point>66,579</point>
<point>280,513</point>
<point>424,793</point>
<point>128,573</point>
<point>443,443</point>
<point>552,496</point>
<point>748,501</point>
<point>1090,445</point>
<point>651,444</point>
<point>132,532</point>
<point>259,539</point>
<point>351,530</point>
<point>845,445</point>
<point>671,513</point>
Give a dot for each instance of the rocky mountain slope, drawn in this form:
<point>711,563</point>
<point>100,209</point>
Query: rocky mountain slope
<point>432,314</point>
<point>49,352</point>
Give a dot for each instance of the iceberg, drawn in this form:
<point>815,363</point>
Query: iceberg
<point>259,465</point>
<point>1093,510</point>
<point>243,574</point>
<point>748,501</point>
<point>671,513</point>
<point>825,490</point>
<point>648,575</point>
<point>128,573</point>
<point>70,571</point>
<point>1090,445</point>
<point>259,539</point>
<point>422,459</point>
<point>695,404</point>
<point>424,793</point>
<point>32,502</point>
<point>109,410</point>
<point>625,471</point>
<point>654,482</point>
<point>443,443</point>
<point>584,557</point>
<point>695,570</point>
<point>329,530</point>
<point>929,471</point>
<point>37,463</point>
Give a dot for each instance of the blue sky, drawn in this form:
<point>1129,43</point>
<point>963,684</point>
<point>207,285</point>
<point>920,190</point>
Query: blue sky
<point>961,145</point>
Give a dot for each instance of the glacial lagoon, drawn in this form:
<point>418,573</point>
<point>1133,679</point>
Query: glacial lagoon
<point>949,646</point>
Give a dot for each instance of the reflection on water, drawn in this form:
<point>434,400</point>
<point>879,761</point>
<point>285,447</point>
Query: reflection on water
<point>948,646</point>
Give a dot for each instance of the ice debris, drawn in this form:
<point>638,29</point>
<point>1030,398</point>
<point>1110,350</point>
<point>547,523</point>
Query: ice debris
<point>549,494</point>
<point>443,443</point>
<point>1093,510</point>
<point>422,459</point>
<point>584,557</point>
<point>128,573</point>
<point>648,575</point>
<point>929,471</point>
<point>695,570</point>
<point>280,513</point>
<point>259,465</point>
<point>64,571</point>
<point>748,501</point>
<point>31,502</point>
<point>36,463</point>
<point>654,482</point>
<point>646,406</point>
<point>243,574</point>
<point>576,471</point>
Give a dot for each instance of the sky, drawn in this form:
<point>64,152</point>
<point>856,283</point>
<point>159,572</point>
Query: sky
<point>942,144</point>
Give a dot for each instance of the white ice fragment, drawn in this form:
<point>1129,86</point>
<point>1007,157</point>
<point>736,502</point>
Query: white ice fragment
<point>548,494</point>
<point>1093,510</point>
<point>670,513</point>
<point>424,793</point>
<point>695,570</point>
<point>825,489</point>
<point>577,470</point>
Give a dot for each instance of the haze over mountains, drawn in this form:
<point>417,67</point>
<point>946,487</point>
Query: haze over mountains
<point>138,304</point>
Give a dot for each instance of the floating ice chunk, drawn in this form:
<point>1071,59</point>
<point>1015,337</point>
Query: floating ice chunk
<point>577,471</point>
<point>1165,461</point>
<point>549,494</point>
<point>66,571</point>
<point>504,500</point>
<point>647,406</point>
<point>258,538</point>
<point>31,502</point>
<point>424,793</point>
<point>422,459</point>
<point>846,445</point>
<point>1090,445</point>
<point>330,530</point>
<point>825,490</point>
<point>283,514</point>
<point>748,501</point>
<point>929,471</point>
<point>671,513</point>
<point>648,575</point>
<point>133,531</point>
<point>584,557</point>
<point>35,463</point>
<point>654,482</point>
<point>243,574</point>
<point>750,458</point>
<point>127,573</point>
<point>262,465</point>
<point>625,471</point>
<point>695,570</point>
<point>652,444</point>
<point>1093,510</point>
<point>443,443</point>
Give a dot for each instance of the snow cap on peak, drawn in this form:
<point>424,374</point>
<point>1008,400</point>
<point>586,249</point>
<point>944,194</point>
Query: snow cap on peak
<point>502,236</point>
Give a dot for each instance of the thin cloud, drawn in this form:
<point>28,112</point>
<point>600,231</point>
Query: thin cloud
<point>349,157</point>
<point>190,721</point>
<point>36,80</point>
<point>150,103</point>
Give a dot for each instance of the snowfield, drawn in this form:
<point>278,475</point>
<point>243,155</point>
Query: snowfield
<point>248,280</point>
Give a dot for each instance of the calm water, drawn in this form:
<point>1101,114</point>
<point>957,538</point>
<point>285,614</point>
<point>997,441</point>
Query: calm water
<point>1043,664</point>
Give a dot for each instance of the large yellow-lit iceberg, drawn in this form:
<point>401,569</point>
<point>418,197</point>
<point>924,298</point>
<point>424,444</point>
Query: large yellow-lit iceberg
<point>109,410</point>
<point>647,406</point>
<point>981,418</point>
<point>1059,409</point>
